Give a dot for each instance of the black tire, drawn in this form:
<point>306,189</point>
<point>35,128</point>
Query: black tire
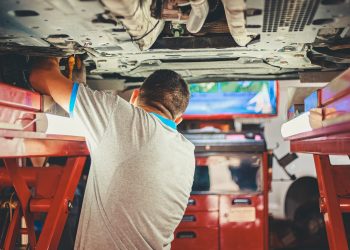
<point>310,221</point>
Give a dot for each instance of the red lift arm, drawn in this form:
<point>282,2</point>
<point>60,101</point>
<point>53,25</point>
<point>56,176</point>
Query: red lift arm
<point>333,181</point>
<point>54,186</point>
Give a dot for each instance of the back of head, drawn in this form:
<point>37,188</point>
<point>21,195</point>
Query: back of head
<point>166,91</point>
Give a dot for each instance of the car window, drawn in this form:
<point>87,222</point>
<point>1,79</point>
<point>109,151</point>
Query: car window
<point>238,173</point>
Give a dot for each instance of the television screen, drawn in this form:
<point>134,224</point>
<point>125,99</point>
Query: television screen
<point>233,98</point>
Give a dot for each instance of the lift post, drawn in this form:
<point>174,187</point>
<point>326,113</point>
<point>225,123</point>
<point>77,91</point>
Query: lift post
<point>47,190</point>
<point>333,139</point>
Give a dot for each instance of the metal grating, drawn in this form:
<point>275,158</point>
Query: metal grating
<point>289,14</point>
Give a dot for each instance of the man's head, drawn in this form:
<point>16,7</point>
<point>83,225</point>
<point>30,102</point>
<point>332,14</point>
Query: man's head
<point>164,91</point>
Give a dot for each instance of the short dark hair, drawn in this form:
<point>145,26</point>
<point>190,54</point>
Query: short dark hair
<point>165,89</point>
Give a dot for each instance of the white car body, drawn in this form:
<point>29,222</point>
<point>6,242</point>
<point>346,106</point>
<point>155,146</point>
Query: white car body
<point>302,167</point>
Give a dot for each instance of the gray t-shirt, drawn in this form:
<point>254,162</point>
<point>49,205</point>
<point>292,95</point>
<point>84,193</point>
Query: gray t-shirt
<point>140,177</point>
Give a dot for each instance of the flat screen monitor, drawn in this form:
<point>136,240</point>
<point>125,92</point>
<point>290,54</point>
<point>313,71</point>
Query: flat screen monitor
<point>232,99</point>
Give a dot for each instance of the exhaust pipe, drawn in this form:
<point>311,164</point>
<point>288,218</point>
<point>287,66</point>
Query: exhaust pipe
<point>136,17</point>
<point>198,14</point>
<point>122,8</point>
<point>234,11</point>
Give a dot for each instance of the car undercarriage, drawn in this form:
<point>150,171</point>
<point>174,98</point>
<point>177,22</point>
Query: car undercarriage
<point>199,39</point>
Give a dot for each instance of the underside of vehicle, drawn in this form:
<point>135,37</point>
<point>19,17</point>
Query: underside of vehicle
<point>201,39</point>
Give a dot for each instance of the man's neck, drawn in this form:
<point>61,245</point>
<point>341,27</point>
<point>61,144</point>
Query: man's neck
<point>154,110</point>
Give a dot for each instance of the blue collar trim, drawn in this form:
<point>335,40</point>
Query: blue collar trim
<point>166,121</point>
<point>73,98</point>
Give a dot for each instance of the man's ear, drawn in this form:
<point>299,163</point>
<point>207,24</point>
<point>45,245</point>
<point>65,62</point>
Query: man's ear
<point>178,120</point>
<point>134,96</point>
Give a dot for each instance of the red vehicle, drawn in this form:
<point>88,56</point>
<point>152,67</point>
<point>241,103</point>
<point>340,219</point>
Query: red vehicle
<point>228,205</point>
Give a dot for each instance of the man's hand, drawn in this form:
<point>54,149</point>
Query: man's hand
<point>46,78</point>
<point>41,68</point>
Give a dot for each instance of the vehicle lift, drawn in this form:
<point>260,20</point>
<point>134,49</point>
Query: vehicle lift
<point>48,190</point>
<point>333,180</point>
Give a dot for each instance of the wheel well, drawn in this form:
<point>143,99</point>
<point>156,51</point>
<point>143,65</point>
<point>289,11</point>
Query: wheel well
<point>304,190</point>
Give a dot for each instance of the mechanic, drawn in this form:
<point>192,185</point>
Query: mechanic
<point>142,168</point>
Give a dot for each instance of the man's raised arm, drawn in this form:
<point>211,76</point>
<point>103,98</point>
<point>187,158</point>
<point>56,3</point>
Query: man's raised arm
<point>47,78</point>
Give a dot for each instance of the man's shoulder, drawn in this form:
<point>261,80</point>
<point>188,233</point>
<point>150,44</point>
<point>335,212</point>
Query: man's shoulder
<point>187,142</point>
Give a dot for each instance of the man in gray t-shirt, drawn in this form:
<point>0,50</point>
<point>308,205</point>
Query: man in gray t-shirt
<point>142,169</point>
